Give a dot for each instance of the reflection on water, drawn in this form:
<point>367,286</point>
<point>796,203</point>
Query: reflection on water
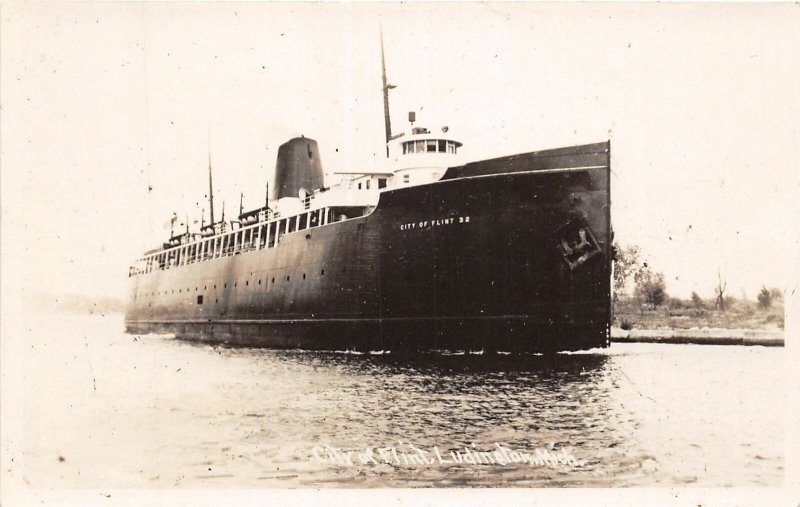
<point>105,408</point>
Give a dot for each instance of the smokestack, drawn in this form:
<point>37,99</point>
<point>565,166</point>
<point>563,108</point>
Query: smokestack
<point>298,167</point>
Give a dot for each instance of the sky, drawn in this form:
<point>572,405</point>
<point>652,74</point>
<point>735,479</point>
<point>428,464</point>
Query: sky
<point>102,101</point>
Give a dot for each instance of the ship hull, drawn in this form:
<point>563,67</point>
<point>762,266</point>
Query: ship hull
<point>505,255</point>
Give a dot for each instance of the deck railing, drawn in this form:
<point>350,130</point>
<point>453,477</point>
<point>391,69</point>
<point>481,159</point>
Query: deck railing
<point>258,236</point>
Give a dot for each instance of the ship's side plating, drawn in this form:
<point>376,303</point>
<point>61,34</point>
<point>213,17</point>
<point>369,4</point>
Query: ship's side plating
<point>507,254</point>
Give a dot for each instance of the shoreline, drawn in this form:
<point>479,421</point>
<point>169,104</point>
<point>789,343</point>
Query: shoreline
<point>706,336</point>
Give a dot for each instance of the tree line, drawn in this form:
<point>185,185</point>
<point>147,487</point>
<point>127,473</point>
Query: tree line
<point>634,279</point>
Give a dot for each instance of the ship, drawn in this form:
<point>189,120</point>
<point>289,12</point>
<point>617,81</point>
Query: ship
<point>510,254</point>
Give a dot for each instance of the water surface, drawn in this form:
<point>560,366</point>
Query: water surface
<point>100,408</point>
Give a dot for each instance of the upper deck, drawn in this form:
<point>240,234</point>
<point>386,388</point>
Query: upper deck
<point>238,238</point>
<point>419,157</point>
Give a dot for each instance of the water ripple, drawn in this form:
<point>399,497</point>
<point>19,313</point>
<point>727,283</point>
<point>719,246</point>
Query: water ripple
<point>160,411</point>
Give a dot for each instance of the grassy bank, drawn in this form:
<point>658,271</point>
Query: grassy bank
<point>742,322</point>
<point>628,314</point>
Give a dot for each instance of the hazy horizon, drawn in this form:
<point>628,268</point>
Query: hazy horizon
<point>102,101</point>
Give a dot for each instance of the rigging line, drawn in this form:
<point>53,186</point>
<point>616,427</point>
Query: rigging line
<point>147,132</point>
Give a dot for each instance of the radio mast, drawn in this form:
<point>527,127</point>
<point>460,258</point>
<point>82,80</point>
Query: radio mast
<point>386,88</point>
<point>210,185</point>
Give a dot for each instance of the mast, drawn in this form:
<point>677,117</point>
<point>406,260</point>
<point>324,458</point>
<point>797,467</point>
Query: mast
<point>266,197</point>
<point>386,88</point>
<point>210,185</point>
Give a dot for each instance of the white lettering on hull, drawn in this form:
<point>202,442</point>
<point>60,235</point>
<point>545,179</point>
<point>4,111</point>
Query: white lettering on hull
<point>437,222</point>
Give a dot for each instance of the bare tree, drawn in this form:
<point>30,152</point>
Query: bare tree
<point>764,298</point>
<point>719,290</point>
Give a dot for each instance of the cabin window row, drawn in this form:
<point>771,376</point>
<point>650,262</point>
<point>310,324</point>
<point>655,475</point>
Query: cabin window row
<point>430,146</point>
<point>364,185</point>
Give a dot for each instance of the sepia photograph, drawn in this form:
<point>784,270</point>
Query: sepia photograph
<point>462,252</point>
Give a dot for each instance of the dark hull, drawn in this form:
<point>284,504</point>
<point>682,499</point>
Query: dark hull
<point>509,254</point>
